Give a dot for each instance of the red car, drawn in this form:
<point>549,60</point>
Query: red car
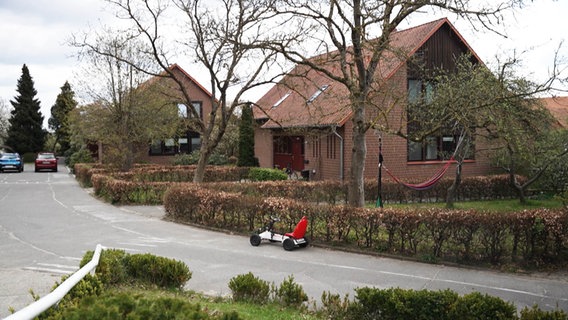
<point>46,160</point>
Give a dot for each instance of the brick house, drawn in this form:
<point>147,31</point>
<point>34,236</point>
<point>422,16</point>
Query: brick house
<point>304,121</point>
<point>161,151</point>
<point>558,107</point>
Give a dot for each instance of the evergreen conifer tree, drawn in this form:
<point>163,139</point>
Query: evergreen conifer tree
<point>26,133</point>
<point>59,122</point>
<point>246,139</point>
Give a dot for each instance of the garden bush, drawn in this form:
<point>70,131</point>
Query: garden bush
<point>396,303</point>
<point>127,306</point>
<point>535,313</point>
<point>117,267</point>
<point>160,271</point>
<point>289,293</point>
<point>477,306</point>
<point>248,288</point>
<point>266,174</point>
<point>111,268</point>
<point>90,286</point>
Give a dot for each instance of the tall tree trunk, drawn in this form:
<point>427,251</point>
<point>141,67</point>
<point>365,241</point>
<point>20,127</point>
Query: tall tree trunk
<point>356,195</point>
<point>450,197</point>
<point>204,153</point>
<point>518,187</point>
<point>128,162</point>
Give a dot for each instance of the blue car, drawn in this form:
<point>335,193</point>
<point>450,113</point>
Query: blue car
<point>11,161</point>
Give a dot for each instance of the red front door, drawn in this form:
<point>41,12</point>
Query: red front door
<point>289,151</point>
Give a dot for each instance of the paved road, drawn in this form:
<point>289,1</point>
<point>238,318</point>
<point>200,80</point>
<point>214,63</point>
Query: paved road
<point>47,223</point>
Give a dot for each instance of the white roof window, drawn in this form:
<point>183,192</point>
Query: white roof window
<point>282,99</point>
<point>317,93</point>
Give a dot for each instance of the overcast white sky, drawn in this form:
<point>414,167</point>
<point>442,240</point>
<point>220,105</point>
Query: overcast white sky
<point>33,32</point>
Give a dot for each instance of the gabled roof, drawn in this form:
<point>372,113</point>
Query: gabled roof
<point>175,66</point>
<point>558,107</point>
<point>332,107</point>
<point>176,70</point>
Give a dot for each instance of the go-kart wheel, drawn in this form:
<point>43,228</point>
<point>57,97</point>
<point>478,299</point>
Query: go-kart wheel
<point>288,244</point>
<point>255,240</point>
<point>305,244</point>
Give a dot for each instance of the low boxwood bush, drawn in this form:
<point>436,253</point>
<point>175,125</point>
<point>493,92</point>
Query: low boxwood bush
<point>248,288</point>
<point>535,313</point>
<point>138,306</point>
<point>89,286</point>
<point>266,174</point>
<point>117,267</point>
<point>396,303</point>
<point>289,293</point>
<point>160,271</point>
<point>111,268</point>
<point>402,304</point>
<point>477,306</point>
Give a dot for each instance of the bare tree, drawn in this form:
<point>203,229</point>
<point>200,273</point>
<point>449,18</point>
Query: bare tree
<point>224,37</point>
<point>124,114</point>
<point>355,35</point>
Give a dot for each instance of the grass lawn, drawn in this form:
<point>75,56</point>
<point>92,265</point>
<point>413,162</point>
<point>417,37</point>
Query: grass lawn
<point>490,205</point>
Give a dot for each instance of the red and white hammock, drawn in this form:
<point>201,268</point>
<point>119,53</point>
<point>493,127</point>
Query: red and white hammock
<point>428,183</point>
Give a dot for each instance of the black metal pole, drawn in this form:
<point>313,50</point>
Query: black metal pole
<point>380,184</point>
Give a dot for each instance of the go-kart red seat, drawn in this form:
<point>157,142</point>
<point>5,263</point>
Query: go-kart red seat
<point>300,230</point>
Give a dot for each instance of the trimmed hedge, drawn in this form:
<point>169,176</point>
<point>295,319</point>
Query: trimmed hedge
<point>146,183</point>
<point>530,236</point>
<point>466,236</point>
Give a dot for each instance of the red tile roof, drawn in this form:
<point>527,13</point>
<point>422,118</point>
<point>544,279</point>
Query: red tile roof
<point>558,107</point>
<point>332,107</point>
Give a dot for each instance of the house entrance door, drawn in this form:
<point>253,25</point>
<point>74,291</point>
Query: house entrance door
<point>289,151</point>
<point>298,153</point>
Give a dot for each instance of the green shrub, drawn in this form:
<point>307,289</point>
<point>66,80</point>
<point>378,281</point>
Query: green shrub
<point>185,159</point>
<point>396,303</point>
<point>89,286</point>
<point>118,267</point>
<point>290,293</point>
<point>248,288</point>
<point>266,174</point>
<point>535,313</point>
<point>127,306</point>
<point>192,158</point>
<point>477,306</point>
<point>160,271</point>
<point>333,307</point>
<point>80,156</point>
<point>111,268</point>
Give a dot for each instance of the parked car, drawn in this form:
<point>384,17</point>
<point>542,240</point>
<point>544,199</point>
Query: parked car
<point>11,161</point>
<point>45,160</point>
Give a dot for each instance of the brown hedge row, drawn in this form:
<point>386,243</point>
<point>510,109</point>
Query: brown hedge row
<point>528,237</point>
<point>224,178</point>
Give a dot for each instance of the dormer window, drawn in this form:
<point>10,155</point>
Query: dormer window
<point>317,93</point>
<point>282,99</point>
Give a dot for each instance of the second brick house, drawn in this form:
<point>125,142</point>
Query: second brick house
<point>304,121</point>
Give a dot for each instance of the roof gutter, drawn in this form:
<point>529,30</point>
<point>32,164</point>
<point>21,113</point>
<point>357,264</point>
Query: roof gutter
<point>341,157</point>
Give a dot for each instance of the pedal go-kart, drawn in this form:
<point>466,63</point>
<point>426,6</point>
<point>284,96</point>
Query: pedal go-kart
<point>290,240</point>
